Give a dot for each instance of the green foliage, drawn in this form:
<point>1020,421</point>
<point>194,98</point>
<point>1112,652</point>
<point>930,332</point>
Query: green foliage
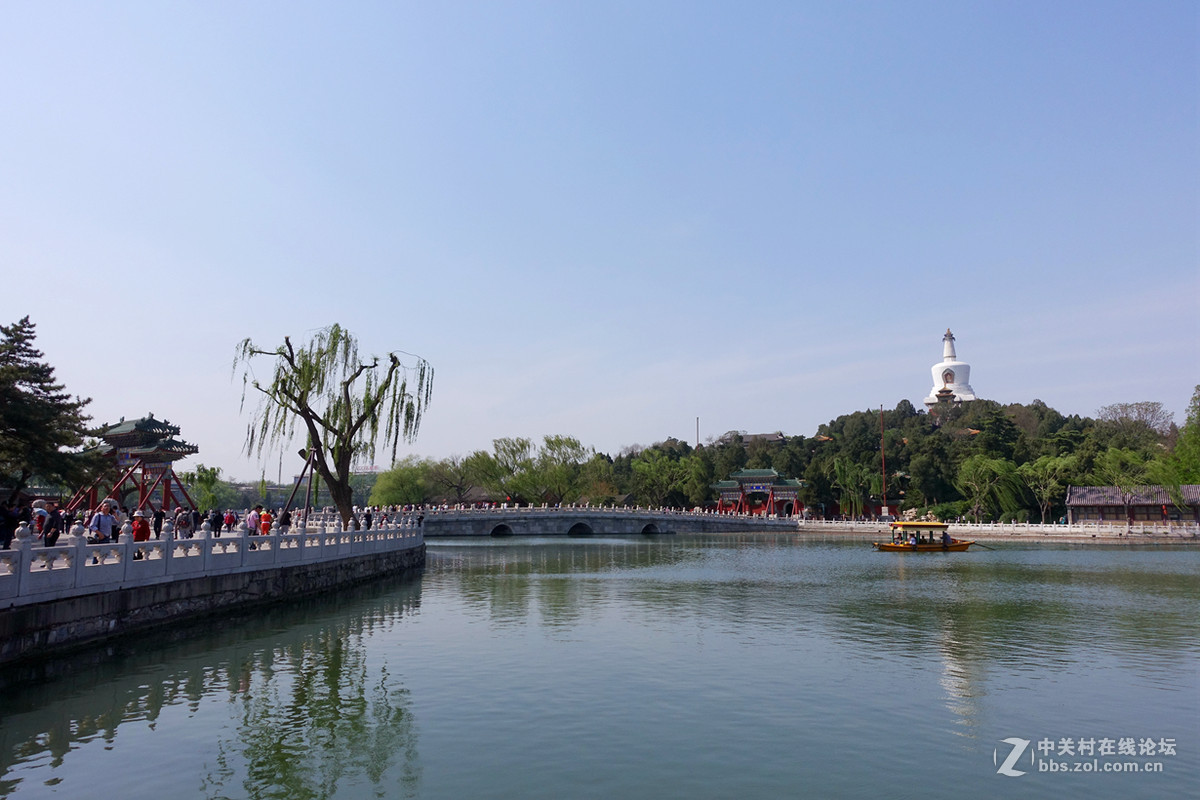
<point>1046,478</point>
<point>1182,466</point>
<point>1134,426</point>
<point>340,401</point>
<point>452,478</point>
<point>701,475</point>
<point>210,491</point>
<point>559,464</point>
<point>407,481</point>
<point>597,481</point>
<point>853,482</point>
<point>981,458</point>
<point>657,476</point>
<point>990,485</point>
<point>519,471</point>
<point>41,426</point>
<point>1126,470</point>
<point>503,471</point>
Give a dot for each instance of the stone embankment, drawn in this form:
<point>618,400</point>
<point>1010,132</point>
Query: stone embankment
<point>1022,533</point>
<point>77,592</point>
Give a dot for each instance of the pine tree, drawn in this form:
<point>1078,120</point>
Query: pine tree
<point>40,423</point>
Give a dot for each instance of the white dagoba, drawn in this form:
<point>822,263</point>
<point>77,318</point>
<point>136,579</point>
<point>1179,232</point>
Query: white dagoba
<point>951,378</point>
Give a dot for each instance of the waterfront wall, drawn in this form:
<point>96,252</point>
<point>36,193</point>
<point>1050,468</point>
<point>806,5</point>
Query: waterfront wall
<point>55,597</point>
<point>1099,533</point>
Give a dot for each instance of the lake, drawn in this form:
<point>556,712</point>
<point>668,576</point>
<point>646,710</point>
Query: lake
<point>735,666</point>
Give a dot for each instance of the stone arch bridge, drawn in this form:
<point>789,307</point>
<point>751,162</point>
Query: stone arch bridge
<point>581,521</point>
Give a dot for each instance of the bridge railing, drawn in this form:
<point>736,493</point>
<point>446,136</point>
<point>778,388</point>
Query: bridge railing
<point>31,572</point>
<point>509,509</point>
<point>1156,531</point>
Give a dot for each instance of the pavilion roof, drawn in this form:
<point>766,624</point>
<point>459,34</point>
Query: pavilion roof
<point>1143,496</point>
<point>752,474</point>
<point>131,433</point>
<point>791,483</point>
<point>157,452</point>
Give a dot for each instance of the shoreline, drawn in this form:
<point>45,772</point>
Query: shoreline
<point>1117,538</point>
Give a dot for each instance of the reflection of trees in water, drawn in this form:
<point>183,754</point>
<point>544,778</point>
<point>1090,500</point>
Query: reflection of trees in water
<point>312,716</point>
<point>955,617</point>
<point>965,618</point>
<point>508,582</point>
<point>313,713</point>
<point>1023,614</point>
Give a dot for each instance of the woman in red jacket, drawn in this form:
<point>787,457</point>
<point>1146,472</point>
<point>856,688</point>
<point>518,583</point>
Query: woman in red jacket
<point>141,527</point>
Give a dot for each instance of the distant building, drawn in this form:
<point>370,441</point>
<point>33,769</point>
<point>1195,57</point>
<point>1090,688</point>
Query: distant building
<point>759,492</point>
<point>730,436</point>
<point>951,377</point>
<point>141,453</point>
<point>1149,504</point>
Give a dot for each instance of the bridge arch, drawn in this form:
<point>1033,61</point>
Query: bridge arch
<point>650,528</point>
<point>580,529</point>
<point>502,530</point>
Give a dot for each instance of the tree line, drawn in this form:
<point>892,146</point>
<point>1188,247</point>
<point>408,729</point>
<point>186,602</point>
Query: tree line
<point>981,459</point>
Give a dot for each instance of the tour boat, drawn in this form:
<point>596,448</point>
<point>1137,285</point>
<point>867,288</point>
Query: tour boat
<point>929,535</point>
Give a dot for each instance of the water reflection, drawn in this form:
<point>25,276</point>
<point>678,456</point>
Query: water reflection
<point>954,620</point>
<point>309,711</point>
<point>535,666</point>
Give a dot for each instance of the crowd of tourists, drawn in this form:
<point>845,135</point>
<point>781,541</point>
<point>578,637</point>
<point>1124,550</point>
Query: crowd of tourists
<point>48,520</point>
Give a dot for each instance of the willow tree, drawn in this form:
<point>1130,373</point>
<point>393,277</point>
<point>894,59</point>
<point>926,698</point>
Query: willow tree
<point>342,402</point>
<point>989,484</point>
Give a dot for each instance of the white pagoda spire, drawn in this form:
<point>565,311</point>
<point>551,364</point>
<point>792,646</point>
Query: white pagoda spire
<point>951,377</point>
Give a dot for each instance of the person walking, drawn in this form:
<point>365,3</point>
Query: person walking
<point>183,524</point>
<point>102,523</point>
<point>54,525</point>
<point>9,520</point>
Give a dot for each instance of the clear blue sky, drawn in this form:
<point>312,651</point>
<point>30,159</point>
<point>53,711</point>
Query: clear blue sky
<point>606,219</point>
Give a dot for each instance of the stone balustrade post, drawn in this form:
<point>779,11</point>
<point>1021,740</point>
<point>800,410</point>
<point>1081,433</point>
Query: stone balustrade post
<point>205,535</point>
<point>77,541</point>
<point>22,546</point>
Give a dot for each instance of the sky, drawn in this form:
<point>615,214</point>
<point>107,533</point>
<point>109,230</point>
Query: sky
<point>604,219</point>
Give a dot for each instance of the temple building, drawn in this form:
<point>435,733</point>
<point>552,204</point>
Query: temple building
<point>140,454</point>
<point>758,492</point>
<point>951,377</point>
<point>1140,506</point>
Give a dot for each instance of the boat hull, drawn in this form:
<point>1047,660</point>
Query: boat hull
<point>937,547</point>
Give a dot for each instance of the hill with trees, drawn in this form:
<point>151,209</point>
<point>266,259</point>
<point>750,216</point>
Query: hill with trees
<point>981,460</point>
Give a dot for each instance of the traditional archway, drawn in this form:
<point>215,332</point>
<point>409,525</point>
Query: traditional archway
<point>502,530</point>
<point>580,529</point>
<point>651,528</point>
